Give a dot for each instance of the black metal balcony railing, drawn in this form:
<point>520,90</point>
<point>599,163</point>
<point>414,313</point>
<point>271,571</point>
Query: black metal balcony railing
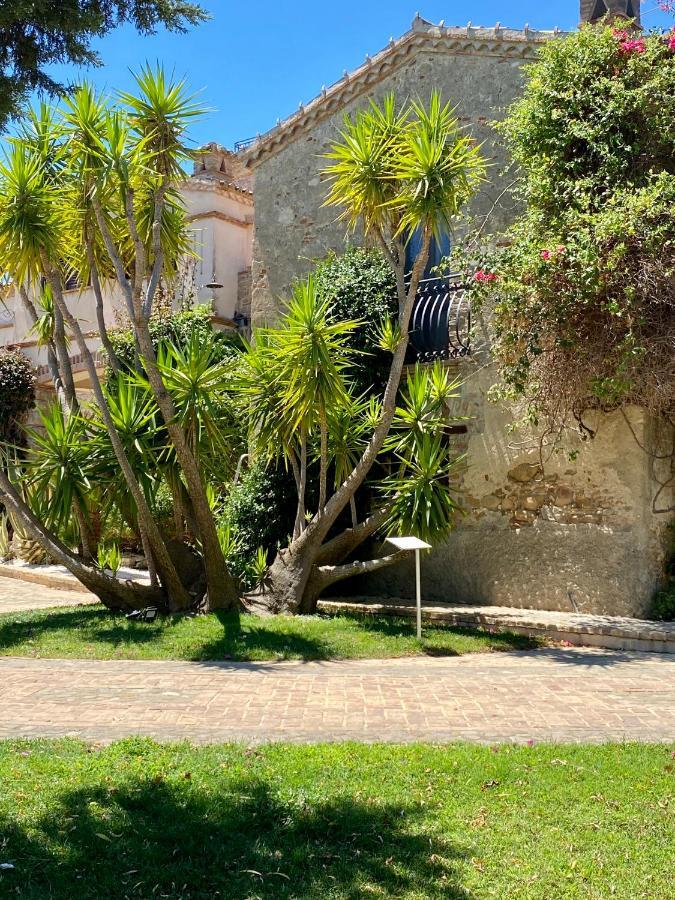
<point>440,325</point>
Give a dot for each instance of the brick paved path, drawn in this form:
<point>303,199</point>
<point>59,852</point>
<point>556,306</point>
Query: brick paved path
<point>23,596</point>
<point>562,695</point>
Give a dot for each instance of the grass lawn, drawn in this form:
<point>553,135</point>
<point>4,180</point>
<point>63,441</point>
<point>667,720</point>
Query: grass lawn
<point>139,819</point>
<point>93,633</point>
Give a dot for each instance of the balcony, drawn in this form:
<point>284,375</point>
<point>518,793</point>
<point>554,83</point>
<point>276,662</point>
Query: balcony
<point>440,325</point>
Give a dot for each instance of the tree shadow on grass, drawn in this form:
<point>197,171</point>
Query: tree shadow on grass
<point>247,641</point>
<point>114,631</point>
<point>227,838</point>
<point>100,624</point>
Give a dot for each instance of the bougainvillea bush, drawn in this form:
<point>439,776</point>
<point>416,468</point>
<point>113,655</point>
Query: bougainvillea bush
<point>17,395</point>
<point>582,292</point>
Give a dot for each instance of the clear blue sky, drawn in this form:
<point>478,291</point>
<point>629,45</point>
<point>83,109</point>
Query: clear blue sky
<point>256,60</point>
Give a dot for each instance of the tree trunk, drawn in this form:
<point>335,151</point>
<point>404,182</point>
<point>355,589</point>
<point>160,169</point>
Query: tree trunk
<point>100,316</point>
<point>222,591</point>
<point>52,361</point>
<point>112,593</point>
<point>285,585</point>
<point>65,368</point>
<point>294,580</point>
<point>178,596</point>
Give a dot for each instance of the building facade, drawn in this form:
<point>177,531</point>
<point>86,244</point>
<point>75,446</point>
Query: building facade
<point>579,530</point>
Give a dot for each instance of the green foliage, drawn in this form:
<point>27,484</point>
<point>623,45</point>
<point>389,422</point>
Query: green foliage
<point>359,284</point>
<point>109,558</point>
<point>417,491</point>
<point>583,295</point>
<point>59,466</point>
<point>663,606</point>
<point>283,393</point>
<point>177,329</point>
<point>399,170</point>
<point>33,38</point>
<point>594,117</point>
<point>17,394</point>
<point>259,511</point>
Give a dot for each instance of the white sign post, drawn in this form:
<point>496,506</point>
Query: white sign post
<point>413,543</point>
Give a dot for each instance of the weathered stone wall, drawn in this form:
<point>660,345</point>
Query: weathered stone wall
<point>292,228</point>
<point>578,532</point>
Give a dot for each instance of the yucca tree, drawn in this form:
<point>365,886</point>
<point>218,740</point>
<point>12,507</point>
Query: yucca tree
<point>58,468</point>
<point>397,170</point>
<point>98,195</point>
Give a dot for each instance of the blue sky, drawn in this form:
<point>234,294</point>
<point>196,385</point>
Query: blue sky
<point>257,60</point>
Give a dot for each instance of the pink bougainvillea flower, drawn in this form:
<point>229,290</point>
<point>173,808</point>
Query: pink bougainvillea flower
<point>670,40</point>
<point>482,276</point>
<point>668,6</point>
<point>620,34</point>
<point>545,254</point>
<point>633,45</point>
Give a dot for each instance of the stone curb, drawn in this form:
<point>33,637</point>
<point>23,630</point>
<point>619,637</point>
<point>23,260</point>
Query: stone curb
<point>46,579</point>
<point>612,633</point>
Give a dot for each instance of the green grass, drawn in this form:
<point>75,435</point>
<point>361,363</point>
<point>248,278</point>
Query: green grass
<point>93,633</point>
<point>139,819</point>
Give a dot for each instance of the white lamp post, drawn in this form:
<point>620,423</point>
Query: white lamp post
<point>413,543</point>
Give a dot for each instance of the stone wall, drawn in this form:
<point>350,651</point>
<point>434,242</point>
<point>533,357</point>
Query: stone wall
<point>292,228</point>
<point>576,533</point>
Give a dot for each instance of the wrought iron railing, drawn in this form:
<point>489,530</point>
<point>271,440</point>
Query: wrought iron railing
<point>440,325</point>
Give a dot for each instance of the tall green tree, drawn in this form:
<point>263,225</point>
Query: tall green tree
<point>395,171</point>
<point>115,167</point>
<point>582,292</point>
<point>35,34</point>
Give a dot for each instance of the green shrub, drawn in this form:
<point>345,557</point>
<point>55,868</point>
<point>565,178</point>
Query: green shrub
<point>581,295</point>
<point>663,607</point>
<point>360,285</point>
<point>17,394</point>
<point>174,328</point>
<point>260,512</point>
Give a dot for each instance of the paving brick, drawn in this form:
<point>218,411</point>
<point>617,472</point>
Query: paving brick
<point>552,694</point>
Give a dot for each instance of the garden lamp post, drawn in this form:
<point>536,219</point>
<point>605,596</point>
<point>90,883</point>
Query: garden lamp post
<point>413,543</point>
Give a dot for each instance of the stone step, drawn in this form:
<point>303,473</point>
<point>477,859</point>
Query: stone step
<point>611,632</point>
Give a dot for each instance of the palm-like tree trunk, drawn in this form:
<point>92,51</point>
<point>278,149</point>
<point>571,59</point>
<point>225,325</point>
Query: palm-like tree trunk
<point>52,361</point>
<point>100,315</point>
<point>114,594</point>
<point>178,596</point>
<point>295,578</point>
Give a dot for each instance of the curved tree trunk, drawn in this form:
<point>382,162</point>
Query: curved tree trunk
<point>222,590</point>
<point>114,594</point>
<point>52,361</point>
<point>65,368</point>
<point>100,316</point>
<point>178,596</point>
<point>295,579</point>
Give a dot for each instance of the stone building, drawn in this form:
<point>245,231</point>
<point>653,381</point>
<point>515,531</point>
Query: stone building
<point>583,535</point>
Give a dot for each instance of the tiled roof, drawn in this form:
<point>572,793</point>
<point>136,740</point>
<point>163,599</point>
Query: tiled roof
<point>423,35</point>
